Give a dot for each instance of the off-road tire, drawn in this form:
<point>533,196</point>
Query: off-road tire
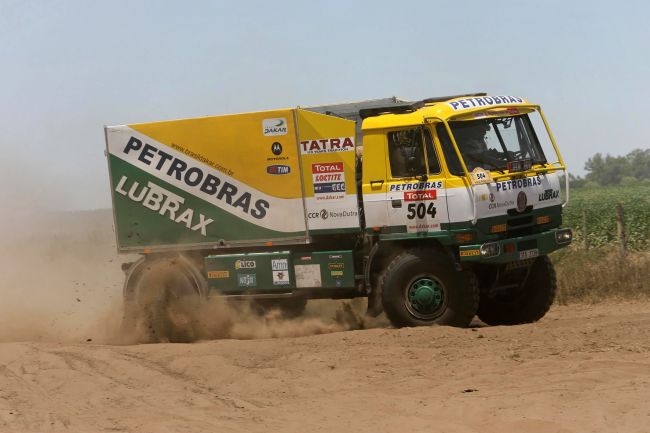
<point>527,305</point>
<point>459,289</point>
<point>160,297</point>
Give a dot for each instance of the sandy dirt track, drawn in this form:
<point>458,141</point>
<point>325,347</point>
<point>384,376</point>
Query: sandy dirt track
<point>581,369</point>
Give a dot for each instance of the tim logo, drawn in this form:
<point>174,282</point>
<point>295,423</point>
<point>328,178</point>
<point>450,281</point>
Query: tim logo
<point>278,169</point>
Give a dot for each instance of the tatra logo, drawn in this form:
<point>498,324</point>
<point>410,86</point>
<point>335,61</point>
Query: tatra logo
<point>165,203</point>
<point>326,145</point>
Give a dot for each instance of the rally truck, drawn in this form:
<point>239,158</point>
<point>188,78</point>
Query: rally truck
<point>436,211</point>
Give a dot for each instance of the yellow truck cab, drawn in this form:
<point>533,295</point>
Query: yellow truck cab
<point>437,211</point>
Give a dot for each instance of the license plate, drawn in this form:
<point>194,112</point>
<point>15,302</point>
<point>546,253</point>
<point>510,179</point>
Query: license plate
<point>528,254</point>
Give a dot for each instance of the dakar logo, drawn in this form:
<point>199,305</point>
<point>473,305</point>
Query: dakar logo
<point>277,126</point>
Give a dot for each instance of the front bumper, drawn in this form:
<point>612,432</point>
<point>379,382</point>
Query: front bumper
<point>519,248</point>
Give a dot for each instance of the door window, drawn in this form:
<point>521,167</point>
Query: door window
<point>406,153</point>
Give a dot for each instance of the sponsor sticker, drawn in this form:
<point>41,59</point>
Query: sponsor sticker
<point>247,280</point>
<point>469,253</point>
<point>415,186</point>
<point>422,227</point>
<point>164,202</point>
<point>333,266</point>
<point>327,145</point>
<point>245,264</point>
<point>280,278</point>
<point>218,274</point>
<point>337,273</point>
<point>279,264</point>
<point>278,169</point>
<point>525,182</point>
<point>329,180</point>
<point>308,276</point>
<point>549,194</point>
<point>483,101</point>
<point>429,194</point>
<point>272,127</point>
<point>480,176</point>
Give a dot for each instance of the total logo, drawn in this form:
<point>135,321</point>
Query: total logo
<point>272,127</point>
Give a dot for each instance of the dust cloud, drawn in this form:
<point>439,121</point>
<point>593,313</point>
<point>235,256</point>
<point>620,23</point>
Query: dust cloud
<point>61,281</point>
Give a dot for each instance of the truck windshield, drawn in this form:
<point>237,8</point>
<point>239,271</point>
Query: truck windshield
<point>491,143</point>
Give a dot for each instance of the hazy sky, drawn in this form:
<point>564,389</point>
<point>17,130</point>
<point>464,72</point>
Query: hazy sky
<point>69,67</point>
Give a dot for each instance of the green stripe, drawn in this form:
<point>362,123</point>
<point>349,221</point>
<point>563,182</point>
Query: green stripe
<point>139,226</point>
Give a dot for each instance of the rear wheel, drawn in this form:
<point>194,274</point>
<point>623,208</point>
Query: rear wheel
<point>421,287</point>
<point>161,299</point>
<point>526,304</point>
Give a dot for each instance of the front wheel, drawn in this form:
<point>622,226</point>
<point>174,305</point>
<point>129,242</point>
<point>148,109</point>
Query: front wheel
<point>421,287</point>
<point>525,304</point>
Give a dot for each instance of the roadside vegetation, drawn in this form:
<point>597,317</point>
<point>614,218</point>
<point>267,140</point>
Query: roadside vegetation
<point>599,269</point>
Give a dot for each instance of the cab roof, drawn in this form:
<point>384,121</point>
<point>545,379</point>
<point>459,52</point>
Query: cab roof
<point>443,108</point>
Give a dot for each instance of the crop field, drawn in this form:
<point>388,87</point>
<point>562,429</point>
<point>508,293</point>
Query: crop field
<point>600,206</point>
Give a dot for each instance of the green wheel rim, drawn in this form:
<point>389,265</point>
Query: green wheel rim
<point>425,298</point>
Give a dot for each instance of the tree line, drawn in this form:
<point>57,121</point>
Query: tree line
<point>629,169</point>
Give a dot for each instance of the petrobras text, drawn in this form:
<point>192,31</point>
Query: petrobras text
<point>415,186</point>
<point>483,101</point>
<point>519,183</point>
<point>194,177</point>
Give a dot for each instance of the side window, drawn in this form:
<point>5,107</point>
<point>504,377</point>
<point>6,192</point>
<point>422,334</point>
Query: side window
<point>406,153</point>
<point>432,158</point>
<point>453,163</point>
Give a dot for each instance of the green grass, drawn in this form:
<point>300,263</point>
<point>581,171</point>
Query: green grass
<point>600,206</point>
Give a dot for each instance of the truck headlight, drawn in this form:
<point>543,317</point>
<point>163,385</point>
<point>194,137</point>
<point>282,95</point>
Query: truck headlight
<point>491,249</point>
<point>563,236</point>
